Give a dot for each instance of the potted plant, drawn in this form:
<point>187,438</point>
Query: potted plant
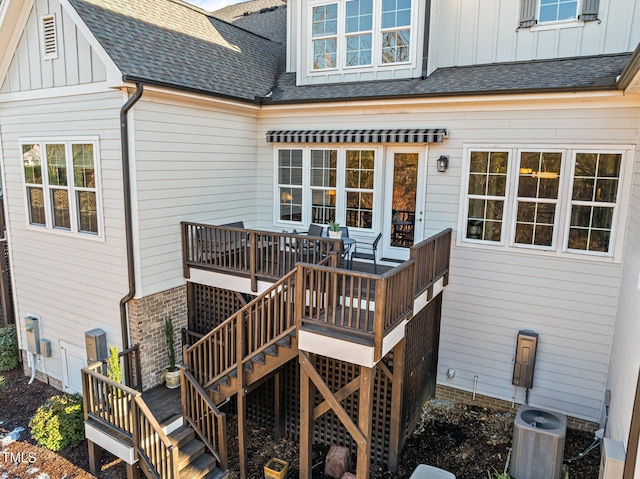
<point>334,230</point>
<point>172,375</point>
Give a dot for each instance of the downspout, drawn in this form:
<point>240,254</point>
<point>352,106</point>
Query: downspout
<point>126,187</point>
<point>425,44</point>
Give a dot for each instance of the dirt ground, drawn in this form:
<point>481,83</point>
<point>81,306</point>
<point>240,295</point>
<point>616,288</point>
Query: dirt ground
<point>466,440</point>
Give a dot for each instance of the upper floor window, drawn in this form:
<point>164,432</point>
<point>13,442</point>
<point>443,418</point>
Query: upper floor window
<point>532,188</point>
<point>356,33</point>
<point>61,187</point>
<point>557,10</point>
<point>534,12</point>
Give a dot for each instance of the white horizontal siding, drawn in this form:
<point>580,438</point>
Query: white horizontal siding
<point>74,283</point>
<point>77,63</point>
<point>493,293</point>
<point>625,354</point>
<point>466,32</point>
<point>194,162</point>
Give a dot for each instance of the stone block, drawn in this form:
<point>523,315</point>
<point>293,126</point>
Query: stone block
<point>338,461</point>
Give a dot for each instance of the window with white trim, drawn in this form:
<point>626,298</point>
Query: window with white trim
<point>559,12</point>
<point>521,202</point>
<point>318,185</point>
<point>360,33</point>
<point>61,186</point>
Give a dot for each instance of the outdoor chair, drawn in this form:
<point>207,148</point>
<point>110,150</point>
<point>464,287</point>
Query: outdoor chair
<point>367,251</point>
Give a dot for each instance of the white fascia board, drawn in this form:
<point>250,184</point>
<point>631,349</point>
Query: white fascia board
<point>336,348</point>
<point>532,98</point>
<point>55,92</point>
<point>226,281</point>
<point>21,16</point>
<point>181,94</point>
<point>110,443</point>
<point>114,75</point>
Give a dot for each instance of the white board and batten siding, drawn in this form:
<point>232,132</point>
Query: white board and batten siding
<point>76,63</point>
<point>569,300</point>
<point>74,282</point>
<point>466,32</point>
<point>194,161</point>
<point>625,354</point>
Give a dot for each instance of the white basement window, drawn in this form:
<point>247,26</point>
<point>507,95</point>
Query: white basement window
<point>61,185</point>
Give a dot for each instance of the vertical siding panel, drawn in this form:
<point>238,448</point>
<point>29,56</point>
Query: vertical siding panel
<point>68,32</point>
<point>58,64</point>
<point>31,37</point>
<point>98,69</point>
<point>84,59</point>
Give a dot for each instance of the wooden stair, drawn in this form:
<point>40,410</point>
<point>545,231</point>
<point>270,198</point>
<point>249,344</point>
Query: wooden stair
<point>193,461</point>
<point>257,368</point>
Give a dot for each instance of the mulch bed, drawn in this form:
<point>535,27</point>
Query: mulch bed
<point>468,441</point>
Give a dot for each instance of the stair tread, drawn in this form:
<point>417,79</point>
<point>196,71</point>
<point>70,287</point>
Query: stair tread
<point>199,468</point>
<point>182,435</point>
<point>216,473</point>
<point>271,350</point>
<point>258,358</point>
<point>189,452</point>
<point>284,342</point>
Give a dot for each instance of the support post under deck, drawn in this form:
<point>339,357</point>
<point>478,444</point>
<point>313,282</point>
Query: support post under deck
<point>306,424</point>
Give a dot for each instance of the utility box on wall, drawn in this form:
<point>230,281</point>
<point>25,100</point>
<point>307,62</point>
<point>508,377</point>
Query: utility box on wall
<point>32,333</point>
<point>96,345</point>
<point>525,359</point>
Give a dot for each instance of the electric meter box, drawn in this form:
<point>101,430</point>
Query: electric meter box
<point>32,334</point>
<point>96,344</point>
<point>525,359</point>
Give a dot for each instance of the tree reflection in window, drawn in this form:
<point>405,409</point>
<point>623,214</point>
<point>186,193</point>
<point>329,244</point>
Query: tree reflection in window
<point>486,194</point>
<point>593,201</point>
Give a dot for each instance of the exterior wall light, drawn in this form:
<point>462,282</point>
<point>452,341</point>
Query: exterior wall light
<point>442,163</point>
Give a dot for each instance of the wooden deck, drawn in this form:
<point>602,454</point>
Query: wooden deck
<point>164,403</point>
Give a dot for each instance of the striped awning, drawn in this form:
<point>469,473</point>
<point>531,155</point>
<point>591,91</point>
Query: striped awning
<point>416,135</point>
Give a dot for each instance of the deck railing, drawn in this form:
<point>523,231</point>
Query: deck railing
<point>158,455</point>
<point>351,304</point>
<point>130,362</point>
<point>107,402</point>
<point>257,326</point>
<point>259,255</point>
<point>204,417</point>
<point>432,260</point>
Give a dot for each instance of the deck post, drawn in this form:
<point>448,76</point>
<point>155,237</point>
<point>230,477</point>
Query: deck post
<point>396,405</point>
<point>241,399</point>
<point>253,260</point>
<point>306,423</point>
<point>278,406</point>
<point>95,455</point>
<point>365,422</point>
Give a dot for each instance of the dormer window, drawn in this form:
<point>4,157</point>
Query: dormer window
<point>558,10</point>
<point>396,32</point>
<point>360,33</point>
<point>324,32</point>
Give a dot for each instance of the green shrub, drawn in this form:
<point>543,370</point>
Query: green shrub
<point>114,370</point>
<point>59,422</point>
<point>9,358</point>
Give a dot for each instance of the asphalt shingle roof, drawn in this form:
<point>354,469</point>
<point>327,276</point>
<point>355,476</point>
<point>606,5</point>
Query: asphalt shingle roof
<point>566,74</point>
<point>173,43</point>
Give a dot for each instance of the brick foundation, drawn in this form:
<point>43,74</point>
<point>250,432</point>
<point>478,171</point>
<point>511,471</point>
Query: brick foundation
<point>146,325</point>
<point>465,397</point>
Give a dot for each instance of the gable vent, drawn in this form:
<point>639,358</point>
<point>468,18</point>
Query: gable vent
<point>49,40</point>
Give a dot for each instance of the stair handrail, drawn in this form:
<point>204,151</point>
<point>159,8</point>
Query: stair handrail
<point>199,368</point>
<point>209,423</point>
<point>159,457</point>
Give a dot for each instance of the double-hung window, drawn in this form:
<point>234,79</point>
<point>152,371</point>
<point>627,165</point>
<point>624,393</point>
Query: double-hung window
<point>396,32</point>
<point>359,32</point>
<point>563,200</point>
<point>317,185</point>
<point>61,186</point>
